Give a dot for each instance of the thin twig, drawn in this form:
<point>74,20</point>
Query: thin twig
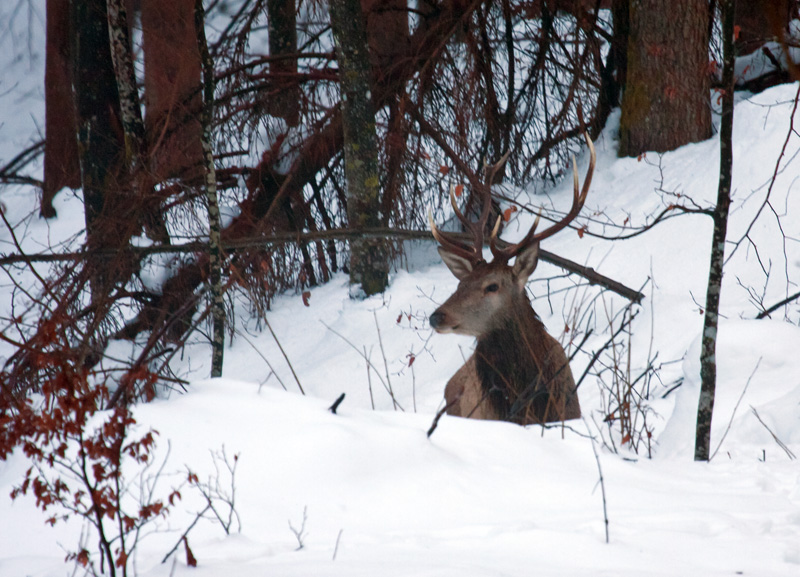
<point>733,414</point>
<point>336,547</point>
<point>608,343</point>
<point>780,443</point>
<point>285,356</point>
<point>369,362</point>
<point>185,533</point>
<point>438,416</point>
<point>385,362</point>
<point>369,380</point>
<point>300,533</point>
<point>260,354</point>
<point>601,481</point>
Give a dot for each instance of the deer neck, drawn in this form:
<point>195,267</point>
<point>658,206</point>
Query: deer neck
<point>507,360</point>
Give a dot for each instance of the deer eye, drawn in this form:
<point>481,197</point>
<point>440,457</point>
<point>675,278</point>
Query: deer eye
<point>492,288</point>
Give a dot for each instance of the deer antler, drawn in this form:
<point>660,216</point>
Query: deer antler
<point>473,253</point>
<point>578,199</point>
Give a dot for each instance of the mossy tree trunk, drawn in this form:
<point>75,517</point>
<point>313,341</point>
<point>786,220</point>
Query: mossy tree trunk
<point>369,258</point>
<point>666,99</point>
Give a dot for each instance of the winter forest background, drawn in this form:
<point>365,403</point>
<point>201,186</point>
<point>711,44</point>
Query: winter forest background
<point>186,193</point>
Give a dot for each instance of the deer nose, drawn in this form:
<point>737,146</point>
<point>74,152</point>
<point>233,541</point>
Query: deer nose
<point>436,319</point>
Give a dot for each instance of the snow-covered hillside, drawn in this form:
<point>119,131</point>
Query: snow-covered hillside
<point>483,498</point>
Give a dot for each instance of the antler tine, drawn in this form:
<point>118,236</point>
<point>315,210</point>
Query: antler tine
<point>578,200</point>
<point>451,245</point>
<point>478,227</point>
<point>474,253</point>
<point>470,227</point>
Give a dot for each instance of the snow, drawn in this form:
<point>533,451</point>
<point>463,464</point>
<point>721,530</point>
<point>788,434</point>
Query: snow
<point>483,498</point>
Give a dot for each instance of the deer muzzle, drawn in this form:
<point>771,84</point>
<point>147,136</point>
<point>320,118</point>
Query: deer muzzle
<point>438,322</point>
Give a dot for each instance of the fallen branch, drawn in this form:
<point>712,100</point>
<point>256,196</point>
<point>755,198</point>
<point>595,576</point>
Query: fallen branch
<point>294,237</point>
<point>776,306</point>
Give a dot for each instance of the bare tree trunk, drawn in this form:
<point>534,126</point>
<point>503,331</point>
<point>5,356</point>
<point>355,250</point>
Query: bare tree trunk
<point>369,259</point>
<point>172,73</point>
<point>130,107</point>
<point>283,100</point>
<point>61,164</point>
<point>708,362</point>
<point>214,250</point>
<point>147,203</point>
<point>387,31</point>
<point>666,99</point>
<point>106,206</point>
<point>614,72</point>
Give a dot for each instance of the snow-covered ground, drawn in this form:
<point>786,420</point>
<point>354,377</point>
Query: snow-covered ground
<point>483,498</point>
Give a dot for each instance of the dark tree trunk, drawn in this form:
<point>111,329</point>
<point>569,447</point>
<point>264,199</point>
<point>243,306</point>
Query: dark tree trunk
<point>146,201</point>
<point>100,134</point>
<point>172,73</point>
<point>61,164</point>
<point>369,259</point>
<point>283,100</point>
<point>614,72</point>
<point>708,363</point>
<point>666,100</point>
<point>759,21</point>
<point>387,31</point>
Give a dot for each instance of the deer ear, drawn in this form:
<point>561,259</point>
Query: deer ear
<point>526,263</point>
<point>458,265</point>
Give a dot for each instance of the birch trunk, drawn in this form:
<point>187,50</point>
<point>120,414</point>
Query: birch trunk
<point>708,360</point>
<point>214,251</point>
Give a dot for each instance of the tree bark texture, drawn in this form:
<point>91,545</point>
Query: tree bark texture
<point>99,127</point>
<point>283,100</point>
<point>613,74</point>
<point>369,259</point>
<point>61,164</point>
<point>387,31</point>
<point>172,73</point>
<point>121,55</point>
<point>666,99</point>
<point>708,361</point>
<point>214,249</point>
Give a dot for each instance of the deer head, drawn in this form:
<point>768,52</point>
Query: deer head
<point>490,294</point>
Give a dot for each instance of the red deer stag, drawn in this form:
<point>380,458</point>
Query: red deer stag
<point>518,372</point>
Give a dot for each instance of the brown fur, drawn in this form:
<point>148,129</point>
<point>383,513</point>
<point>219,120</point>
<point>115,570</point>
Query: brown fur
<point>518,373</point>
